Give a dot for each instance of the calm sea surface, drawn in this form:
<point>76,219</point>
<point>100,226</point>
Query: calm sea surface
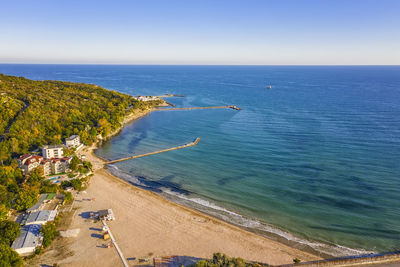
<point>314,160</point>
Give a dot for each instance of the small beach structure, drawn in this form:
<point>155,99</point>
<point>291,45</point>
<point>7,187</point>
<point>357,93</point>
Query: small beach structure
<point>28,240</point>
<point>106,215</point>
<point>40,217</point>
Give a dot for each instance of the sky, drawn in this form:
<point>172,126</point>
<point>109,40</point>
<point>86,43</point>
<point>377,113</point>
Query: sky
<point>209,32</point>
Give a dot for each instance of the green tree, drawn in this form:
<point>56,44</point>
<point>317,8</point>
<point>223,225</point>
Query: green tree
<point>3,212</point>
<point>9,230</point>
<point>75,161</point>
<point>8,257</point>
<point>77,184</point>
<point>88,165</point>
<point>36,176</point>
<point>68,198</point>
<point>49,232</point>
<point>46,186</point>
<point>27,197</point>
<point>222,260</point>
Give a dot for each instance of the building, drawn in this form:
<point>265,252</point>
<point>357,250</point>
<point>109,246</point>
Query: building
<point>60,165</point>
<point>50,166</point>
<point>147,98</point>
<point>46,164</point>
<point>73,141</point>
<point>29,162</point>
<point>28,240</point>
<point>40,217</point>
<point>107,215</point>
<point>53,151</point>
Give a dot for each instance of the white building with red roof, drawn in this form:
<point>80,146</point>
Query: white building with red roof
<point>29,162</point>
<point>50,166</point>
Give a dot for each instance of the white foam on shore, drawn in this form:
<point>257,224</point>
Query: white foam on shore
<point>237,219</point>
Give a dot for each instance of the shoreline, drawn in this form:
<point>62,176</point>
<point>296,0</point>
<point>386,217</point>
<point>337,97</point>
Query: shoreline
<point>268,241</point>
<point>269,236</point>
<point>316,248</point>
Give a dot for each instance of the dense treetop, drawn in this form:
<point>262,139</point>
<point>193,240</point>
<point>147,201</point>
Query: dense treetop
<point>34,113</point>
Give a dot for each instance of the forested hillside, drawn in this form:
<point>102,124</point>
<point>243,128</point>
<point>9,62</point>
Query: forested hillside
<point>34,113</point>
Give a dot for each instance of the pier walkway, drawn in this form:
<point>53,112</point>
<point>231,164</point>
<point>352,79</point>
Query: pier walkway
<point>124,262</point>
<point>195,142</point>
<point>232,107</point>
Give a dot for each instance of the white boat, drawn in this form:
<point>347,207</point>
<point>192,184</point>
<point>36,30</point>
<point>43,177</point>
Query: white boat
<point>268,87</point>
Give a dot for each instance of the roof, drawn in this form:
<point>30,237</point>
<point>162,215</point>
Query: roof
<point>28,237</point>
<point>52,146</point>
<point>44,161</point>
<point>33,159</point>
<point>37,205</point>
<point>72,137</point>
<point>103,213</point>
<point>21,158</point>
<point>41,216</point>
<point>64,159</point>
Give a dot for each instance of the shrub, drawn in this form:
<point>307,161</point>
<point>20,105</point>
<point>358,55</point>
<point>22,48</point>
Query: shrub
<point>8,257</point>
<point>47,186</point>
<point>27,197</point>
<point>75,183</point>
<point>222,260</point>
<point>9,231</point>
<point>49,232</point>
<point>68,198</point>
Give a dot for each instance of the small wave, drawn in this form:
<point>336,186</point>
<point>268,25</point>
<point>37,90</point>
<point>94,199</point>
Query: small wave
<point>232,217</point>
<point>124,176</point>
<point>235,218</point>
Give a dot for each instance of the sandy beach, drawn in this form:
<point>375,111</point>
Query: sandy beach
<point>148,225</point>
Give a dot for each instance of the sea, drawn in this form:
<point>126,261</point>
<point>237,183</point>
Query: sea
<point>313,162</point>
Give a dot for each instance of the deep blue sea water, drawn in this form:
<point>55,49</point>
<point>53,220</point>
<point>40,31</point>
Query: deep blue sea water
<point>315,160</point>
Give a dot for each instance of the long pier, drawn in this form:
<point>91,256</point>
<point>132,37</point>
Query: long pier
<point>124,262</point>
<point>195,142</point>
<point>192,108</point>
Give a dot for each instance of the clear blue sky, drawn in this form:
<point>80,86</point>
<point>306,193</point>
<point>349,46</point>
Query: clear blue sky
<point>264,32</point>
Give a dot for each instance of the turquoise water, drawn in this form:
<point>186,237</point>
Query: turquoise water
<point>315,160</point>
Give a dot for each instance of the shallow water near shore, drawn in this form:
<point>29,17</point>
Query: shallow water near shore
<point>316,159</point>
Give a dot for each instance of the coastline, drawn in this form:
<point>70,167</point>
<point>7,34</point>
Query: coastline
<point>271,251</point>
<point>322,250</point>
<point>150,225</point>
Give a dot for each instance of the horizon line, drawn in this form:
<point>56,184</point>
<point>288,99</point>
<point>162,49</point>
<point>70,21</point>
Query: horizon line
<point>138,64</point>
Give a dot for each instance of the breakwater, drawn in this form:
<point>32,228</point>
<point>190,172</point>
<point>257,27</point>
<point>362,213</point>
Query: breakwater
<point>195,142</point>
<point>170,95</point>
<point>192,108</point>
